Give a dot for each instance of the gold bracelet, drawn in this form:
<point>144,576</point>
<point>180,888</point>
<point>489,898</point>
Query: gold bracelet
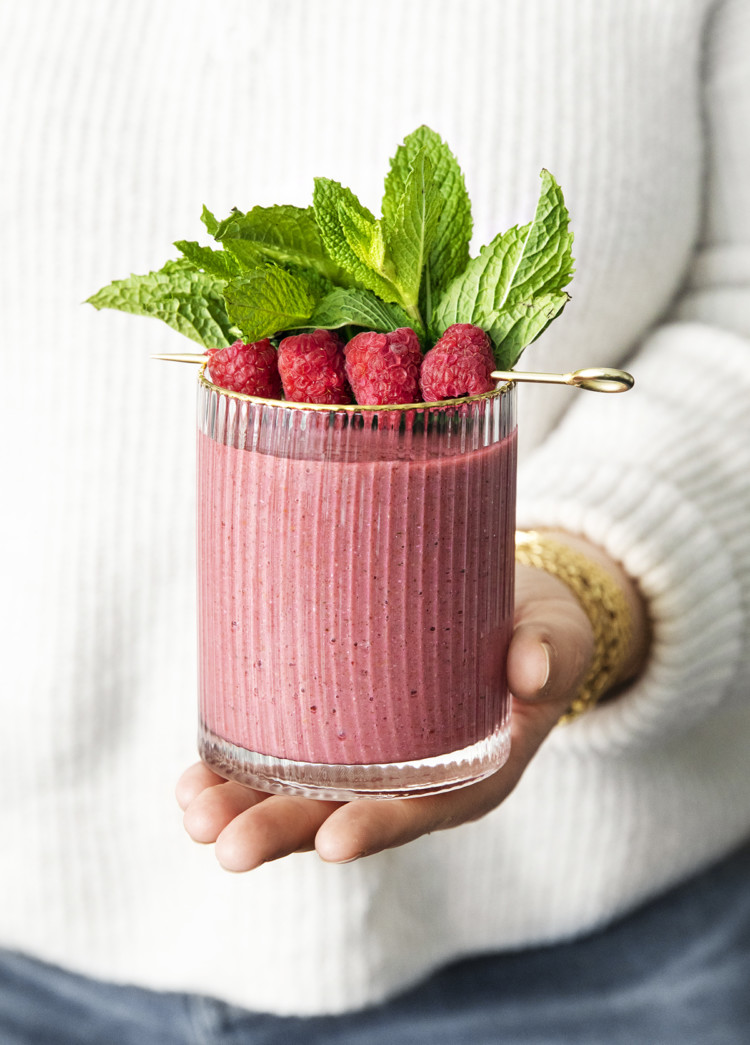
<point>603,602</point>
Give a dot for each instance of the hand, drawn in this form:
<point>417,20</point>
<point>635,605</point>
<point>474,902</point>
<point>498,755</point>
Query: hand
<point>550,651</point>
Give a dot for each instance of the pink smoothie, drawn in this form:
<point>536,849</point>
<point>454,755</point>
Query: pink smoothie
<point>354,611</point>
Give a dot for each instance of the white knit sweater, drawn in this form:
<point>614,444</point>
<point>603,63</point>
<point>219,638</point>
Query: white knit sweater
<point>120,120</point>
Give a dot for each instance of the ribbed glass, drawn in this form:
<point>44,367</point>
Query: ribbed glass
<point>355,593</point>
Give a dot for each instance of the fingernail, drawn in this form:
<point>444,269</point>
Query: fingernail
<point>340,860</point>
<point>547,664</point>
<point>332,854</point>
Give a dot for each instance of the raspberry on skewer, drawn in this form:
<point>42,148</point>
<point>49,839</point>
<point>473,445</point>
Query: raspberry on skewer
<point>248,368</point>
<point>384,368</point>
<point>312,368</point>
<point>460,364</point>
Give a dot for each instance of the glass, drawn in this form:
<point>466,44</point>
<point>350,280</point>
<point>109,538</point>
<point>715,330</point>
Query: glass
<point>355,592</point>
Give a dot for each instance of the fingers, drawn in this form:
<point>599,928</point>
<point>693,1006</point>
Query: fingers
<point>270,829</point>
<point>194,780</point>
<point>213,809</point>
<point>249,827</point>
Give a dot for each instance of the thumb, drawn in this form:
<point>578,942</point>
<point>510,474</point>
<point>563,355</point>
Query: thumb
<point>552,642</point>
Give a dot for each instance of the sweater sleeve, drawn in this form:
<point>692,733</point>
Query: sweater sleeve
<point>661,477</point>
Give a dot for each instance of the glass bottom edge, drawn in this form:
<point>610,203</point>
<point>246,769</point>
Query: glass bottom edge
<point>426,776</point>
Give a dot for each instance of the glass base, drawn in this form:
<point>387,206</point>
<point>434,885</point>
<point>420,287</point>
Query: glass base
<point>426,776</point>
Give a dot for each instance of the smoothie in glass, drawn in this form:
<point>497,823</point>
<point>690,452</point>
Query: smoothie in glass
<point>355,593</point>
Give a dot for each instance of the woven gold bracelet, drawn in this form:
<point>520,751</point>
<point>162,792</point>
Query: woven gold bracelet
<point>603,602</point>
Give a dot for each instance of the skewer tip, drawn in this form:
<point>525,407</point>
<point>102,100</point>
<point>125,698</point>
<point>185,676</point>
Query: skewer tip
<point>182,357</point>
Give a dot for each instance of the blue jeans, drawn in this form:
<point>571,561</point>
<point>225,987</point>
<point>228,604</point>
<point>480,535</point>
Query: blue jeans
<point>675,972</point>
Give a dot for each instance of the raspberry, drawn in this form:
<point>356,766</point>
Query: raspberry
<point>312,368</point>
<point>252,369</point>
<point>384,368</point>
<point>459,364</point>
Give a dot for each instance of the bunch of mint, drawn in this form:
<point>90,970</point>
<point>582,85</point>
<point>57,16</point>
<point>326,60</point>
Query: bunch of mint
<point>287,269</point>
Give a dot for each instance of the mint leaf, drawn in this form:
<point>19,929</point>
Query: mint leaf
<point>518,327</point>
<point>409,231</point>
<point>343,307</point>
<point>281,234</point>
<point>268,300</point>
<point>514,288</point>
<point>318,285</point>
<point>449,253</point>
<point>246,254</point>
<point>188,301</point>
<point>353,238</point>
<point>215,262</point>
<point>209,221</point>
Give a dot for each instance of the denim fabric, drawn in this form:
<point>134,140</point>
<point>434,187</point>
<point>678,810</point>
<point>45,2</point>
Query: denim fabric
<point>676,972</point>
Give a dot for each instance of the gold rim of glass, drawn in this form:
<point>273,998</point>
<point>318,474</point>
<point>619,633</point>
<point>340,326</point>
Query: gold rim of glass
<point>502,389</point>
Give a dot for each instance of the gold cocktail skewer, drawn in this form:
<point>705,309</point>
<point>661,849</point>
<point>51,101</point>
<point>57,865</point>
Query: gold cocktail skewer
<point>594,379</point>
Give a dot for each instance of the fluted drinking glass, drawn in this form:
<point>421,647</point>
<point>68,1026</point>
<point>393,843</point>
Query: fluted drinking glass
<point>355,592</point>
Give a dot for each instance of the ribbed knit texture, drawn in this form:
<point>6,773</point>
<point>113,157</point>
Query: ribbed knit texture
<point>120,120</point>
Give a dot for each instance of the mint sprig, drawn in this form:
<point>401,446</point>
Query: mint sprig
<point>335,264</point>
<point>515,287</point>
